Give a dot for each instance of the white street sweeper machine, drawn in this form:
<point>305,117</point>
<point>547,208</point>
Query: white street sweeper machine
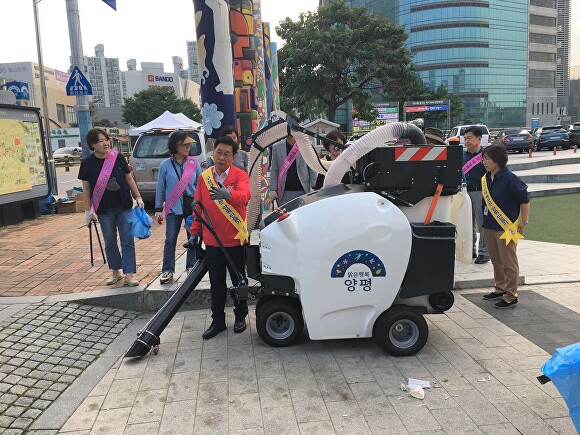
<point>365,259</point>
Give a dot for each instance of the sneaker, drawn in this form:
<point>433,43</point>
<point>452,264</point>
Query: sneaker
<point>114,279</point>
<point>504,304</point>
<point>493,296</point>
<point>166,277</point>
<point>481,259</point>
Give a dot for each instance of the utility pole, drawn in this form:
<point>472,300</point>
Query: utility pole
<point>51,166</point>
<point>77,59</point>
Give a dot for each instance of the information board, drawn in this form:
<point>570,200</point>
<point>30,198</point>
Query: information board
<point>23,167</point>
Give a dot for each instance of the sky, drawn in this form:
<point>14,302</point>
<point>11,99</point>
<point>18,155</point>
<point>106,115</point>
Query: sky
<point>145,30</point>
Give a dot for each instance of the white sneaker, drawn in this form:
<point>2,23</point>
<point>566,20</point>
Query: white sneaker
<point>166,277</point>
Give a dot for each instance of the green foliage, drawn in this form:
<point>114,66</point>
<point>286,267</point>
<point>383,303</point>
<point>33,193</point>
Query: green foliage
<point>148,104</point>
<point>436,119</point>
<point>339,54</point>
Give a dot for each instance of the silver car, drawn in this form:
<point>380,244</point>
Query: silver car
<point>151,149</point>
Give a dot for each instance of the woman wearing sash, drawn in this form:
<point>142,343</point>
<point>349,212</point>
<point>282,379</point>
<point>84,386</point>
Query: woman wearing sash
<point>290,176</point>
<point>241,160</point>
<point>224,190</point>
<point>506,209</point>
<point>107,186</point>
<point>176,183</point>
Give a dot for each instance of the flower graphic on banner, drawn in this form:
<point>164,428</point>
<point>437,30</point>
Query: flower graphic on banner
<point>212,118</point>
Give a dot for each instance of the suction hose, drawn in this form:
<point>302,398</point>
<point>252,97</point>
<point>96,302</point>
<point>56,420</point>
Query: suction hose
<point>374,139</point>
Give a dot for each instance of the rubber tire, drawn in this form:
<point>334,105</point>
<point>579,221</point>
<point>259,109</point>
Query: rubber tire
<point>537,147</point>
<point>286,309</point>
<point>435,300</point>
<point>565,147</point>
<point>392,317</point>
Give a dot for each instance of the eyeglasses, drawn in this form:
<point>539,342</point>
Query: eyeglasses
<point>222,154</point>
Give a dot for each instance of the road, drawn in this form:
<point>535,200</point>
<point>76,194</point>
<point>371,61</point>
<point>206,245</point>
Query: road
<point>67,180</point>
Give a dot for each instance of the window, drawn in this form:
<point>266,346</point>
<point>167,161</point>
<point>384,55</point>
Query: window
<point>542,79</point>
<point>544,3</point>
<point>538,56</point>
<point>543,21</point>
<point>60,113</point>
<point>539,38</point>
<point>542,108</point>
<point>71,115</point>
<point>552,111</point>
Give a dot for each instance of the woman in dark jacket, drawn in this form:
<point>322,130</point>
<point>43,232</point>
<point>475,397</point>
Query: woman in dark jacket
<point>107,186</point>
<point>506,209</point>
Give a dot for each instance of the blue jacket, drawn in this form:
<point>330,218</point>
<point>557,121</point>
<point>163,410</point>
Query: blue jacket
<point>167,179</point>
<point>509,192</point>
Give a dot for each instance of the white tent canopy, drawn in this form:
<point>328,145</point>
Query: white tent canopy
<point>166,120</point>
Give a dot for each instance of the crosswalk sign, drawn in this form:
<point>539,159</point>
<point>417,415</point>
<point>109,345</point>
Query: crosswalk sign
<point>78,84</point>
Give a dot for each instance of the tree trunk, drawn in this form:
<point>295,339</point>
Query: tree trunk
<point>331,112</point>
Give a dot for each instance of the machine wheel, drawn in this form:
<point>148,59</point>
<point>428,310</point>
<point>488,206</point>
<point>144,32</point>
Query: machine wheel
<point>442,301</point>
<point>279,321</point>
<point>401,331</point>
<point>565,147</point>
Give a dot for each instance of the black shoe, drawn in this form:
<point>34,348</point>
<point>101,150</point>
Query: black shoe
<point>493,296</point>
<point>213,330</point>
<point>240,325</point>
<point>481,259</point>
<point>504,304</point>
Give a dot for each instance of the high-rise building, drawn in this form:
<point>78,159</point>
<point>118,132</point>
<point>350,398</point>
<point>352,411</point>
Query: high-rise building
<point>502,57</point>
<point>193,67</point>
<point>104,75</point>
<point>563,48</point>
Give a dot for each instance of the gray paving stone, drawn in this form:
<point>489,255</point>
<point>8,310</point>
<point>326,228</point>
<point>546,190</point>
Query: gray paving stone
<point>21,423</point>
<point>178,418</point>
<point>6,421</point>
<point>14,411</point>
<point>371,399</point>
<point>317,428</point>
<point>274,392</point>
<point>347,418</point>
<point>308,404</point>
<point>85,415</point>
<point>183,386</point>
<point>333,386</point>
<point>212,395</point>
<point>500,429</point>
<point>538,401</point>
<point>121,394</point>
<point>243,411</point>
<point>478,408</point>
<point>148,406</point>
<point>111,421</point>
<point>454,420</point>
<point>211,421</point>
<point>279,420</point>
<point>151,428</point>
<point>414,416</point>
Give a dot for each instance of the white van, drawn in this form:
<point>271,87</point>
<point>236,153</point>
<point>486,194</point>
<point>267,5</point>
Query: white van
<point>151,149</point>
<point>458,131</point>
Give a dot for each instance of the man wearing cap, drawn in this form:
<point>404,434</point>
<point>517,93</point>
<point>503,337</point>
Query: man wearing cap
<point>176,185</point>
<point>473,170</point>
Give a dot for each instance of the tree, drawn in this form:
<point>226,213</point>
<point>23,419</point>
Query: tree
<point>146,105</point>
<point>339,54</point>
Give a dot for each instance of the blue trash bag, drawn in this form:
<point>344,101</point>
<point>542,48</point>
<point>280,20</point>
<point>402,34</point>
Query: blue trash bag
<point>563,369</point>
<point>141,223</point>
<point>47,205</point>
<point>188,222</point>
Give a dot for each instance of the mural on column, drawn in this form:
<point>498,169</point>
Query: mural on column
<point>260,77</point>
<point>244,66</point>
<point>275,82</point>
<point>215,62</point>
<point>267,68</point>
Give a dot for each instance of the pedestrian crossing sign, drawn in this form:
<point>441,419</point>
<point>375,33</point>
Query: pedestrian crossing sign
<point>78,84</point>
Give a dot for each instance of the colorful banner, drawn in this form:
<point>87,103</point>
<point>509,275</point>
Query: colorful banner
<point>260,75</point>
<point>214,53</point>
<point>268,68</point>
<point>275,77</point>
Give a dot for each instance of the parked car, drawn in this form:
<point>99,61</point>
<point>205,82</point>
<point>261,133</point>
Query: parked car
<point>574,134</point>
<point>515,139</point>
<point>550,136</point>
<point>73,154</point>
<point>458,131</point>
<point>151,149</point>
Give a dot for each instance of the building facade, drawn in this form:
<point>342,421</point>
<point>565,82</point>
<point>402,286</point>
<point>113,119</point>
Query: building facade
<point>499,56</point>
<point>61,108</point>
<point>193,66</point>
<point>104,75</point>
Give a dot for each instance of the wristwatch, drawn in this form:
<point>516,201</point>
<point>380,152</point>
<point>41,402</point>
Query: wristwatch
<point>526,222</point>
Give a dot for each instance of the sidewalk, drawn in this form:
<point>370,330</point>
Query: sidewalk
<point>485,374</point>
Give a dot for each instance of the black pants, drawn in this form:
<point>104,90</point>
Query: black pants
<point>216,264</point>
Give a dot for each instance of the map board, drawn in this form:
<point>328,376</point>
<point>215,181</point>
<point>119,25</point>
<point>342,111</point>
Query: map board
<point>23,167</point>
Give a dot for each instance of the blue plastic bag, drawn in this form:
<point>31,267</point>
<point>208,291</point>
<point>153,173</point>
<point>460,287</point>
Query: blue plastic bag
<point>563,369</point>
<point>141,223</point>
<point>188,222</point>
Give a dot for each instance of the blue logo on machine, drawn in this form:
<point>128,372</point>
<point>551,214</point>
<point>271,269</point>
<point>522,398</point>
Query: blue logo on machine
<point>358,267</point>
<point>78,84</point>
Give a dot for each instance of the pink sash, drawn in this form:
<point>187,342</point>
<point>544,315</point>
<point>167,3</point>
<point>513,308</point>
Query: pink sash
<point>471,163</point>
<point>103,179</point>
<point>179,188</point>
<point>285,166</point>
